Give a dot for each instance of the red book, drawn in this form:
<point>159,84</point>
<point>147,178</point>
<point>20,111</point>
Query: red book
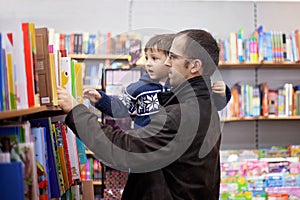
<point>72,37</point>
<point>28,64</point>
<point>62,41</point>
<point>67,156</point>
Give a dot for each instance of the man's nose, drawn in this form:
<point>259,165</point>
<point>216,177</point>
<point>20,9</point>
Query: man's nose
<point>167,62</point>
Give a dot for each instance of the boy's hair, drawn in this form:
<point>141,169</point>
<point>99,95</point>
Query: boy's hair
<point>162,42</point>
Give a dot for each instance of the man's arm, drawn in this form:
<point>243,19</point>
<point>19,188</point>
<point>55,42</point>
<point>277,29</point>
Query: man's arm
<point>151,147</point>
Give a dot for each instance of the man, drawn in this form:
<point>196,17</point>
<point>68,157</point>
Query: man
<point>176,156</point>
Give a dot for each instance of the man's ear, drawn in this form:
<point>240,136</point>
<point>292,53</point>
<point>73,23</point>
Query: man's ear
<point>197,67</point>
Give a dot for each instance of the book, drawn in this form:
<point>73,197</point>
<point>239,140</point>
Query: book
<point>10,72</point>
<point>53,79</point>
<point>65,74</point>
<point>264,93</point>
<point>74,159</point>
<point>11,181</point>
<point>19,62</point>
<point>43,68</point>
<point>33,52</point>
<point>58,164</point>
<point>67,153</point>
<point>54,188</point>
<point>40,142</point>
<point>9,139</point>
<point>28,64</point>
<point>79,68</point>
<point>27,155</point>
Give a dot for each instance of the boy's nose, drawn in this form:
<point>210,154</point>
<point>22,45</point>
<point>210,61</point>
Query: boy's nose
<point>148,62</point>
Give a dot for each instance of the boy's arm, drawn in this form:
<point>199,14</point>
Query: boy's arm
<point>221,97</point>
<point>112,106</point>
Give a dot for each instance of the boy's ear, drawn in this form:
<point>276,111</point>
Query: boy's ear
<point>197,67</point>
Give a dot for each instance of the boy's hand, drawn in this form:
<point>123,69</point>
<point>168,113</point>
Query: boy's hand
<point>92,94</point>
<point>219,87</point>
<point>65,100</point>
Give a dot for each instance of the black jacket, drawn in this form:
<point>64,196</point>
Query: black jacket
<point>180,147</point>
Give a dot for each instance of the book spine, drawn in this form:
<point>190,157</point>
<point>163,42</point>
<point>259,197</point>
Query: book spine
<point>28,64</point>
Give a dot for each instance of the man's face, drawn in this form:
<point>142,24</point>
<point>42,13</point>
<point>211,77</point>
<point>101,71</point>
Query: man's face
<point>177,62</point>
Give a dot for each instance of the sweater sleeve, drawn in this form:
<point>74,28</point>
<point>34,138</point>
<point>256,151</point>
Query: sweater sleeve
<point>112,106</point>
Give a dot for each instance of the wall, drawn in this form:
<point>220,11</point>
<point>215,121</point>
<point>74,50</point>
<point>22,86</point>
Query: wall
<point>155,16</point>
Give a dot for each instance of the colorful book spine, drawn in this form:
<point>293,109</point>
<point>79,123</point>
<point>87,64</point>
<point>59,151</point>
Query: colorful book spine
<point>28,64</point>
<point>2,86</point>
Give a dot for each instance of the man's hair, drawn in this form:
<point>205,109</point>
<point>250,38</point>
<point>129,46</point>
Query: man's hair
<point>161,42</point>
<point>201,45</point>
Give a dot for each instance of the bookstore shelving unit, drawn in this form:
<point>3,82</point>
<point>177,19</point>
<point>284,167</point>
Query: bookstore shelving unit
<point>114,82</point>
<point>31,113</point>
<point>257,124</point>
<point>95,64</point>
<point>82,57</point>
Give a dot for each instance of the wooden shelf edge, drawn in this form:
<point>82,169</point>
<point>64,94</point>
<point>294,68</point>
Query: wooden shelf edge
<point>50,110</point>
<point>261,65</point>
<point>269,118</point>
<point>100,57</point>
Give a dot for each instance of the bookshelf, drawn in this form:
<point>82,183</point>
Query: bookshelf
<point>99,57</point>
<point>45,111</point>
<point>269,118</point>
<point>260,131</point>
<point>262,65</point>
<point>95,66</point>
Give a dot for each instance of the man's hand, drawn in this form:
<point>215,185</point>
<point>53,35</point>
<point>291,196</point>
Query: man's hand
<point>219,87</point>
<point>65,100</point>
<point>92,94</point>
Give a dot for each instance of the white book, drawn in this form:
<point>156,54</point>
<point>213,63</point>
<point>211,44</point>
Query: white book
<point>19,62</point>
<point>65,74</point>
<point>73,155</point>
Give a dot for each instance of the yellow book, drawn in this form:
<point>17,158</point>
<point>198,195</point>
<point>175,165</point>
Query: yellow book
<point>79,81</point>
<point>53,79</point>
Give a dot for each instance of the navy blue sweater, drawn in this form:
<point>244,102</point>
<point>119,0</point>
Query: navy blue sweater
<point>140,99</point>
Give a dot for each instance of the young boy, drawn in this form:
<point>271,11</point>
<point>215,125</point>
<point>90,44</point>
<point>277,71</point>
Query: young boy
<point>141,96</point>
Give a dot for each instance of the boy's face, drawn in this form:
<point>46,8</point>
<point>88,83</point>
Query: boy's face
<point>155,66</point>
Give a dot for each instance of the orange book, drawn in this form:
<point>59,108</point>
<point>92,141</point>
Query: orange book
<point>264,91</point>
<point>67,153</point>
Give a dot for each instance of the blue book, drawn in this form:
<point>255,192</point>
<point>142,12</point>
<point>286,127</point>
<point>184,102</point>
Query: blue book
<point>11,181</point>
<point>9,138</point>
<point>53,186</point>
<point>81,151</point>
